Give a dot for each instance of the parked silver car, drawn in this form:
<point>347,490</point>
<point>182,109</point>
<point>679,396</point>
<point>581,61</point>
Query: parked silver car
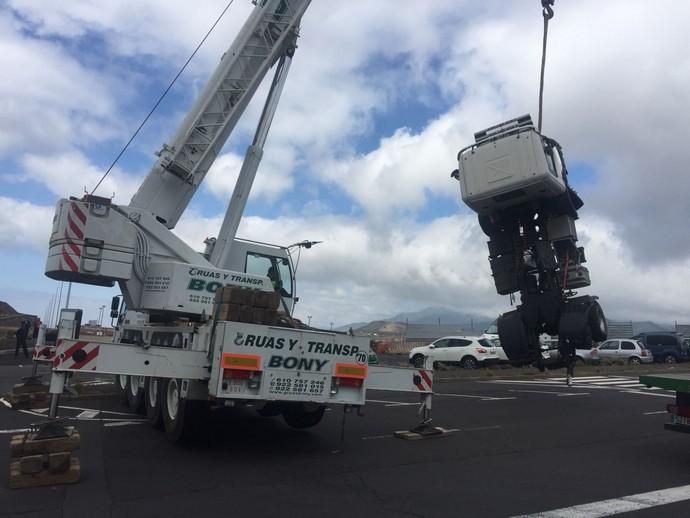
<point>626,349</point>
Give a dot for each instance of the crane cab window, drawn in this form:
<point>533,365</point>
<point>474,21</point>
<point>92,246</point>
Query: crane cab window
<point>275,268</point>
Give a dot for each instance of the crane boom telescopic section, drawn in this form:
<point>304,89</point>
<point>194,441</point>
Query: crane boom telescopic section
<point>267,35</point>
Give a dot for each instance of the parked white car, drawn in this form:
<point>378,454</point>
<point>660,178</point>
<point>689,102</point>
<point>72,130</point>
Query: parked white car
<point>467,351</point>
<point>625,349</point>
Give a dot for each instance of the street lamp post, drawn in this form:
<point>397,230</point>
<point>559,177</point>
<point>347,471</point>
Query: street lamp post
<point>309,320</point>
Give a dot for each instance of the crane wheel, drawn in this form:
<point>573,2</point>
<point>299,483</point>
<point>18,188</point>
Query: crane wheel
<point>513,336</point>
<point>300,415</point>
<point>597,323</point>
<point>180,415</point>
<point>135,394</point>
<point>153,402</point>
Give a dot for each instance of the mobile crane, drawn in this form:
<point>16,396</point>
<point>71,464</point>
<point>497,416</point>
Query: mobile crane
<point>203,329</point>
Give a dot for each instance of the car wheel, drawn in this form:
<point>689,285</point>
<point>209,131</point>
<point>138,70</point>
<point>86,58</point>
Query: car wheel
<point>418,360</point>
<point>579,360</point>
<point>469,362</point>
<point>634,360</point>
<point>669,358</point>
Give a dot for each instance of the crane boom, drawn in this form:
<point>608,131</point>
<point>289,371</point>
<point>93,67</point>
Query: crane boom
<point>267,35</point>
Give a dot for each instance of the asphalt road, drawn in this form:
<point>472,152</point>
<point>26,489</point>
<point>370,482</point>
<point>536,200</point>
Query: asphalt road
<point>517,448</point>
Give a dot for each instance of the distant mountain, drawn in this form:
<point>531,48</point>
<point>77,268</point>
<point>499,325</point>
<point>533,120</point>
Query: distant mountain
<point>443,316</point>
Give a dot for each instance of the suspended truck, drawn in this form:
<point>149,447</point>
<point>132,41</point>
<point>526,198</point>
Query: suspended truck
<point>214,329</point>
<point>516,180</point>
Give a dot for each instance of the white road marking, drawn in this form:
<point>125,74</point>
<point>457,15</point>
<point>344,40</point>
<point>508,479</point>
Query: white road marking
<point>88,414</point>
<point>16,430</point>
<point>2,400</point>
<point>549,392</point>
<point>123,423</point>
<point>657,412</point>
<point>481,398</point>
<point>93,410</point>
<point>31,413</point>
<point>645,393</point>
<point>584,378</point>
<point>390,403</point>
<point>615,506</point>
<point>610,382</point>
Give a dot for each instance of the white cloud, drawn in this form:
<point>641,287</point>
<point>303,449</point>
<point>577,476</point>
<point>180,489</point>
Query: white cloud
<point>49,100</point>
<point>273,178</point>
<point>24,224</point>
<point>71,173</point>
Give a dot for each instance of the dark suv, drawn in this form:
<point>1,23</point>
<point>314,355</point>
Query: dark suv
<point>666,347</point>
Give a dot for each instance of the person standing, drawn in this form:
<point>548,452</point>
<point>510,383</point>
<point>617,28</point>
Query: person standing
<point>37,326</point>
<point>21,335</point>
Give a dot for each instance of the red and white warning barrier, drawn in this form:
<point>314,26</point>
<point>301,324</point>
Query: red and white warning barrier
<point>423,381</point>
<point>44,353</point>
<point>76,356</point>
<point>76,225</point>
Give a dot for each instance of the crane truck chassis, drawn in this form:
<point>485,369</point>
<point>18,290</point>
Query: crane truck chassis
<point>215,328</point>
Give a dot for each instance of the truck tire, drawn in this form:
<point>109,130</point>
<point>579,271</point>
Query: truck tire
<point>670,358</point>
<point>153,403</point>
<point>300,416</point>
<point>597,323</point>
<point>135,394</point>
<point>513,336</point>
<point>180,416</point>
<point>121,385</point>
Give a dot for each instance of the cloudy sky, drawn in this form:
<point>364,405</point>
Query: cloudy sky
<point>380,98</point>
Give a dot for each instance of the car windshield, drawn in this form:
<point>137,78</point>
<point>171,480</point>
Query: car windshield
<point>485,343</point>
<point>640,344</point>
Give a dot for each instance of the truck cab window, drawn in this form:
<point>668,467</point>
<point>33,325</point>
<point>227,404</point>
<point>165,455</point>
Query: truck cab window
<point>275,268</point>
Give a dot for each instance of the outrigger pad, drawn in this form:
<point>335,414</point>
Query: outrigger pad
<point>422,431</point>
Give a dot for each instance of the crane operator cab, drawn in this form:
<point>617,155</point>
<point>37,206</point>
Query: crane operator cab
<point>516,180</point>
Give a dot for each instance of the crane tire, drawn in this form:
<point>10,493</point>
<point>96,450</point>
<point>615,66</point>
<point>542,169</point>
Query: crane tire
<point>153,401</point>
<point>300,416</point>
<point>597,322</point>
<point>513,336</point>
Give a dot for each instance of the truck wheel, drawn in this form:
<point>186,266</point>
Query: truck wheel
<point>597,322</point>
<point>301,416</point>
<point>418,361</point>
<point>513,336</point>
<point>152,401</point>
<point>669,358</point>
<point>469,362</point>
<point>180,415</point>
<point>121,384</point>
<point>135,395</point>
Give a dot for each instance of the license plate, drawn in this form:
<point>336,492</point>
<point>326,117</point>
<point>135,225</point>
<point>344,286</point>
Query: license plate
<point>305,385</point>
<point>237,386</point>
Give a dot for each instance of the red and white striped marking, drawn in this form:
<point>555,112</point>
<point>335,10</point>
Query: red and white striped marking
<point>423,381</point>
<point>76,356</point>
<point>45,353</point>
<point>76,224</point>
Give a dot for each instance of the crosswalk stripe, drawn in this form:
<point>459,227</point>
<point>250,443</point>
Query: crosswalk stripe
<point>611,382</point>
